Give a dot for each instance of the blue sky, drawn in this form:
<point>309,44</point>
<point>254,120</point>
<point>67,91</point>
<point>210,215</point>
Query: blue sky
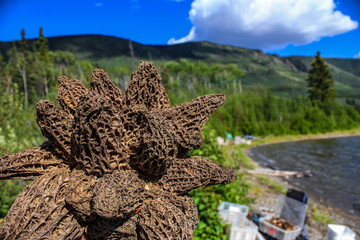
<point>286,27</point>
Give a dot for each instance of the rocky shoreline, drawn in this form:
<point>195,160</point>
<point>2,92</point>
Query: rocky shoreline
<point>315,229</point>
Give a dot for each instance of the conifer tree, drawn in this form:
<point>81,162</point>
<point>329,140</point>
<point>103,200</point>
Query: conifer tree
<point>319,81</point>
<point>43,49</point>
<point>42,43</point>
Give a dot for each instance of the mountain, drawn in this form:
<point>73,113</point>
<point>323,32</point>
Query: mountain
<point>285,75</point>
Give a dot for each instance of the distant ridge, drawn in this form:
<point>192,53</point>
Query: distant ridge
<point>285,75</point>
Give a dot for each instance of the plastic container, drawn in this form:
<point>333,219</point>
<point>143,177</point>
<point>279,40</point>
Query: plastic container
<point>246,232</point>
<point>266,212</point>
<point>277,232</point>
<point>340,232</point>
<point>290,210</point>
<point>232,213</point>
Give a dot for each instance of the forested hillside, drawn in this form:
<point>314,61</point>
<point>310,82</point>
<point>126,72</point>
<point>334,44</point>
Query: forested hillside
<point>266,94</point>
<point>285,75</point>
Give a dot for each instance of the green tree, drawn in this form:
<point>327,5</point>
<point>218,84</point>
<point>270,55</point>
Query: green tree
<point>22,60</point>
<point>165,77</point>
<point>42,58</point>
<point>319,81</point>
<point>2,73</point>
<point>42,44</point>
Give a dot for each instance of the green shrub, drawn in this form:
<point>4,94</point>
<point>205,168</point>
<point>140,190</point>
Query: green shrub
<point>209,198</point>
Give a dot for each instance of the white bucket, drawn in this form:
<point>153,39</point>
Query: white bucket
<point>340,232</point>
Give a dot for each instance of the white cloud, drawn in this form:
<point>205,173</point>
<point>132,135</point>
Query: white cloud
<point>357,55</point>
<point>190,37</point>
<point>265,24</point>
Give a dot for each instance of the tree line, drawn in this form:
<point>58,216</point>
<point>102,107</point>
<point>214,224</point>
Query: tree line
<point>256,110</point>
<point>29,72</point>
<point>33,68</point>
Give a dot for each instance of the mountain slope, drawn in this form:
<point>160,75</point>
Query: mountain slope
<point>285,75</point>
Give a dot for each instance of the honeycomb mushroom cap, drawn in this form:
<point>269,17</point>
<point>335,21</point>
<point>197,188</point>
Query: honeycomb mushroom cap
<point>115,165</point>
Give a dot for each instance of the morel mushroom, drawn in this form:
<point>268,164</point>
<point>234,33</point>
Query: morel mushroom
<point>114,166</point>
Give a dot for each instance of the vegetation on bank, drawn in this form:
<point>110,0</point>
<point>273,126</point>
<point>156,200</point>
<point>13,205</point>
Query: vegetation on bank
<point>243,190</point>
<point>209,198</point>
<point>271,139</point>
<point>29,73</point>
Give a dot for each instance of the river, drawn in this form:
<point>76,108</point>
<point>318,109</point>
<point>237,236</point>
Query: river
<point>334,162</point>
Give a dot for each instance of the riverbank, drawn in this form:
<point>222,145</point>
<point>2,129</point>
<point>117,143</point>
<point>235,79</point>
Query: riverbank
<point>265,189</point>
<point>294,138</point>
<point>319,214</point>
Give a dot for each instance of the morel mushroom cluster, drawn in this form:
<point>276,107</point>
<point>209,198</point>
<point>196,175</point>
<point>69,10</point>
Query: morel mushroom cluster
<point>115,165</point>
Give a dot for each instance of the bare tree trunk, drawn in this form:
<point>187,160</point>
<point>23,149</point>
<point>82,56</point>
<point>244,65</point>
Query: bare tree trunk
<point>132,56</point>
<point>81,72</point>
<point>23,75</point>
<point>240,87</point>
<point>8,83</point>
<point>22,71</point>
<point>46,89</point>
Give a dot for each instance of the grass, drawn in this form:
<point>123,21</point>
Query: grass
<point>275,186</point>
<point>244,161</point>
<point>239,157</point>
<point>318,215</point>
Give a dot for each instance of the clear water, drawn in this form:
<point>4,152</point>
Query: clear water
<point>335,163</point>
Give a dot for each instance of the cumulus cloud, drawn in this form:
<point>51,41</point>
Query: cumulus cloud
<point>357,55</point>
<point>265,24</point>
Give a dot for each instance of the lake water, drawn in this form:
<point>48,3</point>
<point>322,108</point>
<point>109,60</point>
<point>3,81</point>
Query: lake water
<point>335,163</point>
